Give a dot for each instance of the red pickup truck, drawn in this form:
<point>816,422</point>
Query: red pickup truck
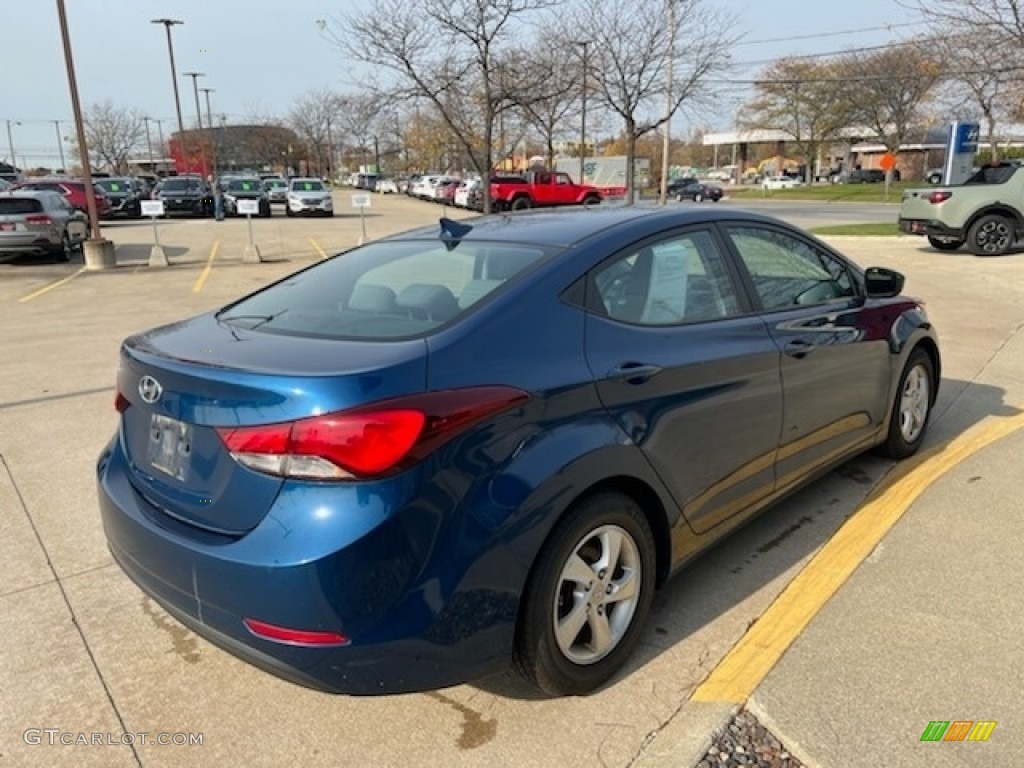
<point>541,189</point>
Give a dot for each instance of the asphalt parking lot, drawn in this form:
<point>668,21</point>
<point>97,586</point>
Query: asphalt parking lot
<point>84,652</point>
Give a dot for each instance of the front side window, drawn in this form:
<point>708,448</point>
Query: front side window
<point>386,290</point>
<point>682,279</point>
<point>789,272</point>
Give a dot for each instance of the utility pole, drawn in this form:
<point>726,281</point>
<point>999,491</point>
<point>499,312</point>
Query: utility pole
<point>670,65</point>
<point>60,145</point>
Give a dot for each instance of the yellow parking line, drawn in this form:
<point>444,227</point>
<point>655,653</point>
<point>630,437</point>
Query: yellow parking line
<point>753,657</point>
<point>315,244</point>
<point>51,286</point>
<point>201,280</point>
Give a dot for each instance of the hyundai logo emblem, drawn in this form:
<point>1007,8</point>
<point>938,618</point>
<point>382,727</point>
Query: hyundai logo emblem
<point>150,389</point>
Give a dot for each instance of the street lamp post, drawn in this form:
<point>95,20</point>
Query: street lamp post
<point>99,253</point>
<point>199,113</point>
<point>149,144</point>
<point>10,145</point>
<point>60,145</point>
<point>168,23</point>
<point>583,110</point>
<point>670,68</point>
<point>209,128</point>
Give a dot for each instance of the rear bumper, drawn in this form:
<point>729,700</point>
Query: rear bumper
<point>30,242</point>
<point>411,621</point>
<point>930,227</point>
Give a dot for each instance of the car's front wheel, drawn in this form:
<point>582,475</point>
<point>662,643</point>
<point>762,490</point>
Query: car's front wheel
<point>912,407</point>
<point>698,197</point>
<point>64,249</point>
<point>588,596</point>
<point>991,235</point>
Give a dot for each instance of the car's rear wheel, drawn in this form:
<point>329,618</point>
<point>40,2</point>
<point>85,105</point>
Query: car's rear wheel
<point>912,407</point>
<point>944,243</point>
<point>588,596</point>
<point>991,235</point>
<point>521,204</point>
<point>64,250</point>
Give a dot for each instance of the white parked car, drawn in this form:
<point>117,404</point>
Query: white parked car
<point>463,192</point>
<point>424,188</point>
<point>386,187</point>
<point>780,182</point>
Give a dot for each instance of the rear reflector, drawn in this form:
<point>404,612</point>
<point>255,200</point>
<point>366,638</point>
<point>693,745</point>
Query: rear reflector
<point>287,636</point>
<point>368,441</point>
<point>121,403</point>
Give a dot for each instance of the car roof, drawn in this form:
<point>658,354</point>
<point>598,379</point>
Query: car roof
<point>567,227</point>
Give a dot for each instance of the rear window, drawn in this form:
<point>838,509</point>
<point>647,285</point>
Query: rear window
<point>181,185</point>
<point>995,174</point>
<point>387,290</point>
<point>14,205</point>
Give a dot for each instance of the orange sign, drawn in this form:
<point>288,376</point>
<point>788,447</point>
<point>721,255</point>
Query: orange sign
<point>888,162</point>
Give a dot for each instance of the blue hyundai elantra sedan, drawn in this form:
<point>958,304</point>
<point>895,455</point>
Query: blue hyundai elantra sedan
<point>488,442</point>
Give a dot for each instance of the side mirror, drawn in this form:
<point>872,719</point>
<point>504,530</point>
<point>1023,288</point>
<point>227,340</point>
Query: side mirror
<point>882,283</point>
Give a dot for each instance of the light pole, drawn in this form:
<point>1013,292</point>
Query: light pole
<point>60,145</point>
<point>149,144</point>
<point>670,66</point>
<point>199,115</point>
<point>10,145</point>
<point>209,127</point>
<point>168,23</point>
<point>99,253</point>
<point>195,90</point>
<point>583,110</point>
<point>160,137</point>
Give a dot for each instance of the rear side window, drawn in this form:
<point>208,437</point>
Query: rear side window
<point>386,290</point>
<point>993,174</point>
<point>15,205</point>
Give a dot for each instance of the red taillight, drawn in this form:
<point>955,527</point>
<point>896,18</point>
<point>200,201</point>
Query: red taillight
<point>938,196</point>
<point>289,636</point>
<point>39,219</point>
<point>367,441</point>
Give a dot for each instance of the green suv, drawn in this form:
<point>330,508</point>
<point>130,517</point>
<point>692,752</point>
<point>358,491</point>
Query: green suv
<point>986,212</point>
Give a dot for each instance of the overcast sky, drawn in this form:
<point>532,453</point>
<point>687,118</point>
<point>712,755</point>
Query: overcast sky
<point>259,55</point>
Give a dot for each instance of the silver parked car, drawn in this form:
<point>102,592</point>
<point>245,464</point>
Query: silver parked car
<point>39,222</point>
<point>308,195</point>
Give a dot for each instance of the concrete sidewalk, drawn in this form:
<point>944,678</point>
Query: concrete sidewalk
<point>927,628</point>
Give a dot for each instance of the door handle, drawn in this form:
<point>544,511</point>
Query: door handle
<point>798,348</point>
<point>634,373</point>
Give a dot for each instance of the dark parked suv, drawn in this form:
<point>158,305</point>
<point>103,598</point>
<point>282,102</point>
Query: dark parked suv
<point>870,176</point>
<point>186,195</point>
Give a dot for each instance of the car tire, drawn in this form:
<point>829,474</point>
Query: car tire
<point>944,243</point>
<point>991,235</point>
<point>698,197</point>
<point>288,211</point>
<point>65,249</point>
<point>568,597</point>
<point>521,204</point>
<point>591,200</point>
<point>911,407</point>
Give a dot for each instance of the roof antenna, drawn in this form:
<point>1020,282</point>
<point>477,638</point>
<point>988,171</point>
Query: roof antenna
<point>453,231</point>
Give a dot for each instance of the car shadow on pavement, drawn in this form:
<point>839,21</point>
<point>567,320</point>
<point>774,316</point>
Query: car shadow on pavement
<point>751,558</point>
<point>133,254</point>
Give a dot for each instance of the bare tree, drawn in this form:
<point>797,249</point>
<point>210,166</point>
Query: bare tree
<point>447,52</point>
<point>799,97</point>
<point>362,119</point>
<point>631,44</point>
<point>993,20</point>
<point>547,114</point>
<point>113,134</point>
<point>310,117</point>
<point>886,90</point>
<point>986,78</point>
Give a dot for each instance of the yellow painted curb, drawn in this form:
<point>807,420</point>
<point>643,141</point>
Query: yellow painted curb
<point>753,657</point>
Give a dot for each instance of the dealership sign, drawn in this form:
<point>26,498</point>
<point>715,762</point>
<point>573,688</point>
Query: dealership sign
<point>961,146</point>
